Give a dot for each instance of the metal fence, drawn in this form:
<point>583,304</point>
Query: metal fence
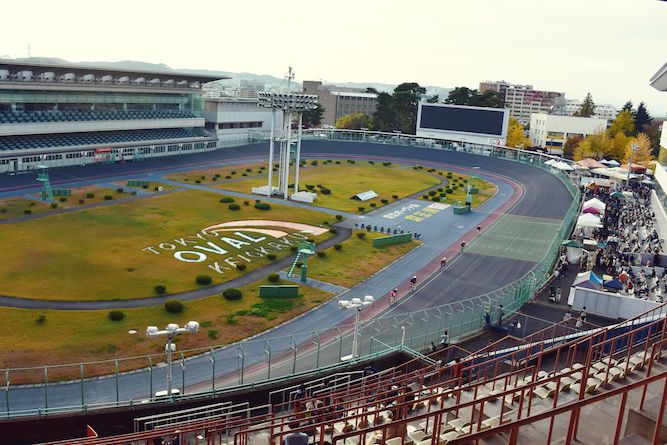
<point>209,372</point>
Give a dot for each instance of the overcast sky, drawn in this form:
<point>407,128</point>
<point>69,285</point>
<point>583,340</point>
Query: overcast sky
<point>608,47</point>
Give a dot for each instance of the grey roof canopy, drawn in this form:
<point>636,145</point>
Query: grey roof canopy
<point>11,70</point>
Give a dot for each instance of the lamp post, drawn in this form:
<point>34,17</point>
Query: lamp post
<point>633,147</point>
<point>170,332</point>
<point>358,305</point>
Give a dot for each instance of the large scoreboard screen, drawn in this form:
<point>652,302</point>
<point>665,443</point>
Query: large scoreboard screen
<point>457,119</point>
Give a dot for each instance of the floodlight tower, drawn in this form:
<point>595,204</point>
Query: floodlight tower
<point>289,104</point>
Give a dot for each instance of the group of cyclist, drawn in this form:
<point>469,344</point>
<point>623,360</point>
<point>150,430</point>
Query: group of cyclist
<point>393,294</point>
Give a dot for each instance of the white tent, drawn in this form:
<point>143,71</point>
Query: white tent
<point>613,163</point>
<point>560,165</point>
<point>595,203</point>
<point>551,162</point>
<point>588,220</point>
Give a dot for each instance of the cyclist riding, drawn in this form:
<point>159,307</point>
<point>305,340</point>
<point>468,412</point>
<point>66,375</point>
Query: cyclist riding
<point>413,283</point>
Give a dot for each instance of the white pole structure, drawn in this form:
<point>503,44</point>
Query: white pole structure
<point>288,148</point>
<point>298,155</point>
<point>358,305</point>
<point>271,150</point>
<point>633,147</point>
<point>170,332</point>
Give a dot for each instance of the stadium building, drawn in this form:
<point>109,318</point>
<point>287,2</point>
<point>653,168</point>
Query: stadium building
<point>65,114</point>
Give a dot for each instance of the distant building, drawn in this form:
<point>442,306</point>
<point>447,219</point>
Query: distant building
<point>249,88</point>
<point>522,100</point>
<point>568,107</point>
<point>339,101</point>
<point>235,118</point>
<point>551,131</point>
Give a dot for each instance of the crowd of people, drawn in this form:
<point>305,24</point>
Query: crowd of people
<point>632,248</point>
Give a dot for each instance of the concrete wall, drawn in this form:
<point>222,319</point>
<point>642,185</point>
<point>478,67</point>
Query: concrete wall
<point>541,124</point>
<point>610,305</point>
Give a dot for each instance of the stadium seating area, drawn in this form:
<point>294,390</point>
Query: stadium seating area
<point>91,138</point>
<point>425,402</point>
<point>15,117</point>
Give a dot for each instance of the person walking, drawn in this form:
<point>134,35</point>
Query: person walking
<point>444,340</point>
<point>501,312</point>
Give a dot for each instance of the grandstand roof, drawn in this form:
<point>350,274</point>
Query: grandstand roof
<point>659,79</point>
<point>177,76</point>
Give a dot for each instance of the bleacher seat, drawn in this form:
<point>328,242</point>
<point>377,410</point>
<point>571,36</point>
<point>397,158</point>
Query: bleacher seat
<point>15,117</point>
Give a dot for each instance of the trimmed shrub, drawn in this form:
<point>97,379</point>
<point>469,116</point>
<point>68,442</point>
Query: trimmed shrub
<point>274,278</point>
<point>292,248</point>
<point>54,205</point>
<point>386,164</point>
<point>313,162</point>
<point>310,186</point>
<point>214,179</point>
<point>425,196</point>
<point>373,204</point>
<point>440,189</point>
<point>440,173</point>
<point>241,267</point>
<point>394,196</point>
<point>160,289</point>
<point>227,200</point>
<point>244,174</point>
<point>233,172</point>
<point>432,192</point>
<point>333,230</point>
<point>120,190</point>
<point>232,294</point>
<point>361,235</point>
<point>384,201</point>
<point>248,170</point>
<point>41,319</point>
<point>325,191</point>
<point>62,199</point>
<point>81,201</point>
<point>371,162</point>
<point>368,227</point>
<point>116,315</point>
<point>228,177</point>
<point>271,257</point>
<point>246,203</point>
<point>234,207</point>
<point>108,197</point>
<point>174,306</point>
<point>262,206</point>
<point>90,195</point>
<point>339,217</point>
<point>198,181</point>
<point>27,211</point>
<point>3,210</point>
<point>321,254</point>
<point>212,334</point>
<point>337,162</point>
<point>436,199</point>
<point>299,264</point>
<point>203,280</point>
<point>361,208</point>
<point>338,247</point>
<point>449,190</point>
<point>325,223</point>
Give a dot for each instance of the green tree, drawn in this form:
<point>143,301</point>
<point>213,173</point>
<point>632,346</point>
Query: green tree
<point>490,99</point>
<point>642,117</point>
<point>354,121</point>
<point>405,100</point>
<point>628,106</point>
<point>384,117</point>
<point>587,107</point>
<point>433,100</point>
<point>624,123</point>
<point>459,96</point>
<point>313,118</point>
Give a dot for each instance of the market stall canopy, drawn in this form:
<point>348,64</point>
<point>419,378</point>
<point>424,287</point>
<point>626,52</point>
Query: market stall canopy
<point>613,284</point>
<point>590,163</point>
<point>593,210</point>
<point>572,243</point>
<point>617,195</point>
<point>560,165</point>
<point>598,182</point>
<point>588,220</point>
<point>636,168</point>
<point>610,163</point>
<point>589,280</point>
<point>596,203</point>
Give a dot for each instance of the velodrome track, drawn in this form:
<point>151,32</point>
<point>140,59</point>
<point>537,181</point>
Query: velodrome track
<point>541,196</point>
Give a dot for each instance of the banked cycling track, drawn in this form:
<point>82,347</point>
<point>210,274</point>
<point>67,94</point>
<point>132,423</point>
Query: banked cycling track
<point>536,196</point>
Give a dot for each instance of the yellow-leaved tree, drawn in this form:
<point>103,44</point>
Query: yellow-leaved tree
<point>595,146</point>
<point>515,135</point>
<point>642,154</point>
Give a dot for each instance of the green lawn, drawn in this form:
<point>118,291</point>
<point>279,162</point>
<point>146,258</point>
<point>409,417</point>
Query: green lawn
<point>457,183</point>
<point>95,337</point>
<point>102,253</point>
<point>346,179</point>
<point>356,261</point>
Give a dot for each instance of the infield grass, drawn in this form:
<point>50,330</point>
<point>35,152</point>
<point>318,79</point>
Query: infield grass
<point>96,254</point>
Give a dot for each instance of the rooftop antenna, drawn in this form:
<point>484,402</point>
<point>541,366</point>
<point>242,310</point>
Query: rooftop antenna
<point>290,77</point>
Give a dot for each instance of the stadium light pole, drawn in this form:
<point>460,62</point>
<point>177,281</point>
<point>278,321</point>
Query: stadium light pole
<point>358,305</point>
<point>170,332</point>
